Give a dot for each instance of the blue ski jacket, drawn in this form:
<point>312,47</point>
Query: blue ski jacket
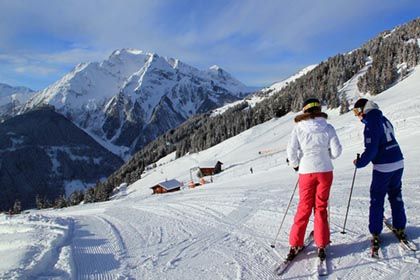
<point>381,147</point>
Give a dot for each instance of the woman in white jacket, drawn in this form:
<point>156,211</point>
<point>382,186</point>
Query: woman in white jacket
<point>312,145</point>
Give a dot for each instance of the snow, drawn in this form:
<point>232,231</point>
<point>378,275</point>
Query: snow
<point>350,88</point>
<point>9,94</point>
<point>223,230</point>
<point>90,85</point>
<point>133,83</point>
<point>31,242</point>
<point>265,92</point>
<point>279,85</point>
<point>75,185</point>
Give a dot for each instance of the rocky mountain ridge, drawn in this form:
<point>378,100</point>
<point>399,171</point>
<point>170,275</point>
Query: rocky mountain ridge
<point>132,97</point>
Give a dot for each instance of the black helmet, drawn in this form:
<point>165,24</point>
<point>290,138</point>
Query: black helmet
<point>311,105</point>
<point>359,106</point>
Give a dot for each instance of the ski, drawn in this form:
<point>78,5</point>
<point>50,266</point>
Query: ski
<point>282,267</point>
<point>322,267</point>
<point>404,242</point>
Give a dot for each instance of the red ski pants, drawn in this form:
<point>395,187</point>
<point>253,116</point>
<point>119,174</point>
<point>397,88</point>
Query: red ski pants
<point>314,190</point>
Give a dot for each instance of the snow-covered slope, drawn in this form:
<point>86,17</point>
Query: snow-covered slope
<point>264,93</point>
<point>9,94</point>
<point>223,230</point>
<point>279,85</point>
<point>117,99</point>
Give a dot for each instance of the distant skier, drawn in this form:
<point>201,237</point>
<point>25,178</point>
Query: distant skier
<point>312,145</point>
<point>382,149</point>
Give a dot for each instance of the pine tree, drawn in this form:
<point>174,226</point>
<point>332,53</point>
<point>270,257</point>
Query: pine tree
<point>89,195</point>
<point>60,202</point>
<point>47,203</point>
<point>17,207</point>
<point>76,197</point>
<point>344,104</point>
<point>39,202</point>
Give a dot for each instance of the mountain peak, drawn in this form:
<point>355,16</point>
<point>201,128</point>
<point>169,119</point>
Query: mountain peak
<point>129,51</point>
<point>146,81</point>
<point>14,89</point>
<point>216,68</point>
<point>219,71</point>
<point>133,57</point>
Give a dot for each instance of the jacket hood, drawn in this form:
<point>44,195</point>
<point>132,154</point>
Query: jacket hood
<point>370,105</point>
<point>307,116</point>
<point>318,124</point>
<point>373,115</point>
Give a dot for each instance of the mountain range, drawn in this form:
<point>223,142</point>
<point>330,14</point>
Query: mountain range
<point>132,97</point>
<point>77,131</point>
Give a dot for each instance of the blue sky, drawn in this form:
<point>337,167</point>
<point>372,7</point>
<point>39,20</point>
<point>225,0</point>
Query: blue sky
<point>257,41</point>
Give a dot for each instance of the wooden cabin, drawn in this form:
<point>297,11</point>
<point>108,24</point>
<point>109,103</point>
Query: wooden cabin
<point>167,186</point>
<point>211,168</point>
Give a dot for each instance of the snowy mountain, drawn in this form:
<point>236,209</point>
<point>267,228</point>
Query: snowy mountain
<point>11,98</point>
<point>223,230</point>
<point>132,97</point>
<point>279,85</point>
<point>43,153</point>
<point>262,94</point>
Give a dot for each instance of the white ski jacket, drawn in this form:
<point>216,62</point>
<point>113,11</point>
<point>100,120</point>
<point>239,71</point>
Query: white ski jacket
<point>312,145</point>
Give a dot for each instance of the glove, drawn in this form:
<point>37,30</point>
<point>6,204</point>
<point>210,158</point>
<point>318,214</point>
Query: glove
<point>296,168</point>
<point>356,160</point>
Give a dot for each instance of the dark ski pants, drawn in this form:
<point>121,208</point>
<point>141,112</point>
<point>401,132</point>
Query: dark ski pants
<point>382,184</point>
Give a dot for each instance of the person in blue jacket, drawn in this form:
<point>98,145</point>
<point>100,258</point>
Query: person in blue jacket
<point>382,149</point>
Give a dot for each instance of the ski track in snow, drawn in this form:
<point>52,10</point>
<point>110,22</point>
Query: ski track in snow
<point>198,228</point>
<point>101,252</point>
<point>98,249</point>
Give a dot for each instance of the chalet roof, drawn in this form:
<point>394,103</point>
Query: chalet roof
<point>211,164</point>
<point>169,185</point>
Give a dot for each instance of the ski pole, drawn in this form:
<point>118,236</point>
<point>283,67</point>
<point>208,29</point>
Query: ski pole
<point>284,217</point>
<point>351,191</point>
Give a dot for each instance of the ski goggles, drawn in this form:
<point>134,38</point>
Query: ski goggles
<point>357,111</point>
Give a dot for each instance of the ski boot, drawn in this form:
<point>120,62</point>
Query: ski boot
<point>375,245</point>
<point>400,233</point>
<point>294,250</point>
<point>321,254</point>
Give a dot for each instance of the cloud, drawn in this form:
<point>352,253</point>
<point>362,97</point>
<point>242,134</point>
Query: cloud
<point>247,37</point>
<point>284,24</point>
<point>71,57</point>
<point>38,70</point>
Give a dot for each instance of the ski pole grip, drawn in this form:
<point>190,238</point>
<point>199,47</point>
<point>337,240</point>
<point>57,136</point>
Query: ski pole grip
<point>358,156</point>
